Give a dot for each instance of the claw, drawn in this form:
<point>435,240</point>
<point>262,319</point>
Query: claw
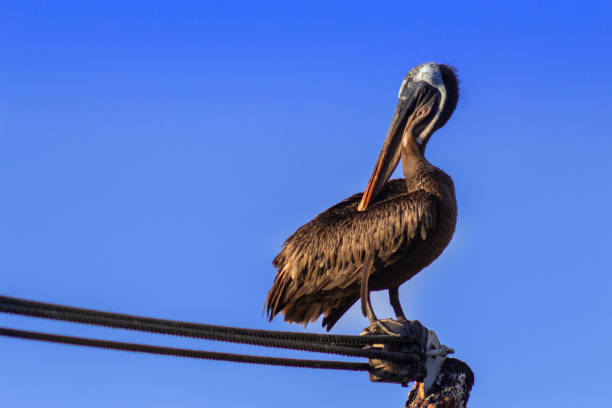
<point>385,328</point>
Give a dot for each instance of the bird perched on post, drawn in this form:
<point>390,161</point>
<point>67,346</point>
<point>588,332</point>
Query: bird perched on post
<point>378,239</point>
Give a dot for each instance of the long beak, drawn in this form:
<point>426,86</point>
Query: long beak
<point>389,155</point>
<point>413,97</point>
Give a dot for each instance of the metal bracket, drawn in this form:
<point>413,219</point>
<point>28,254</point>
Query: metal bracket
<point>428,354</point>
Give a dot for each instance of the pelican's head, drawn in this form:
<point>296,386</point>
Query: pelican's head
<point>427,98</point>
<point>430,89</point>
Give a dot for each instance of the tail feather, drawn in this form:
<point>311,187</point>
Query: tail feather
<point>335,314</point>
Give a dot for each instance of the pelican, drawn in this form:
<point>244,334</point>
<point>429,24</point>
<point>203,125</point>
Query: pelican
<point>378,239</point>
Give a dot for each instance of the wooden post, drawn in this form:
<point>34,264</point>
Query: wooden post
<point>449,389</point>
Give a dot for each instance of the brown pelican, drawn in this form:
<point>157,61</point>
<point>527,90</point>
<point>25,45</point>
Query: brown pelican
<point>380,238</point>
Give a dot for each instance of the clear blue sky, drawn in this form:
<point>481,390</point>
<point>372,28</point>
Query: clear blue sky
<point>155,155</point>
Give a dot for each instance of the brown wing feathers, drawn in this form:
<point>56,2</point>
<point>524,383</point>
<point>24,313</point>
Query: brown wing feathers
<point>318,267</point>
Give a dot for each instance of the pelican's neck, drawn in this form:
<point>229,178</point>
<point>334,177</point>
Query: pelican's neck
<point>422,175</point>
<point>413,163</point>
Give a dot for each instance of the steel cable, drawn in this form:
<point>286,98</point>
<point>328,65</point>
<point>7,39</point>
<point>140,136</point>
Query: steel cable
<point>6,301</point>
<point>266,338</point>
<point>231,338</point>
<point>169,351</point>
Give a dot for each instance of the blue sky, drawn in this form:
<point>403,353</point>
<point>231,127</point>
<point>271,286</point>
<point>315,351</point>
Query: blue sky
<point>155,155</point>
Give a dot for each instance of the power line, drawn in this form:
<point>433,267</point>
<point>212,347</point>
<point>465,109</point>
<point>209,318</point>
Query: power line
<point>59,312</point>
<point>177,352</point>
<point>396,358</point>
<point>352,346</point>
<point>288,340</point>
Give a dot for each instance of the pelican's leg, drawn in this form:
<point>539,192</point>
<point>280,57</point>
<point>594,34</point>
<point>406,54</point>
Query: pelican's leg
<point>366,304</point>
<point>395,303</point>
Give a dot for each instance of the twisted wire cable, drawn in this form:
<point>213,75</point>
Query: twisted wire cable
<point>289,340</point>
<point>178,352</point>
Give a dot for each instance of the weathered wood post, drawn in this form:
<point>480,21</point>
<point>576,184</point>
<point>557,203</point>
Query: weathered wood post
<point>450,388</point>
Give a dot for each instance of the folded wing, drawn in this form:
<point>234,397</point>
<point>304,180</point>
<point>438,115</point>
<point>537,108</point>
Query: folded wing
<point>319,265</point>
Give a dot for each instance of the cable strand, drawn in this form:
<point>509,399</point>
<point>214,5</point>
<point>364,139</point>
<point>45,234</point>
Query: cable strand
<point>53,311</point>
<point>189,353</point>
<point>226,337</point>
